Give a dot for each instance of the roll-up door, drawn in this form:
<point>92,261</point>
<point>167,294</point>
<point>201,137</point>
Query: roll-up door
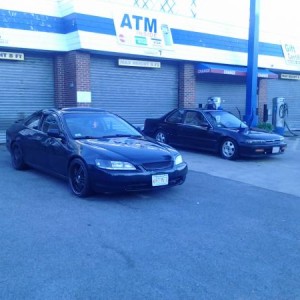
<point>231,89</point>
<point>290,90</point>
<point>134,93</point>
<point>25,87</point>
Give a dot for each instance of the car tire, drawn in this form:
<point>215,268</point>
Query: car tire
<point>160,136</point>
<point>79,178</point>
<point>17,158</point>
<point>229,149</point>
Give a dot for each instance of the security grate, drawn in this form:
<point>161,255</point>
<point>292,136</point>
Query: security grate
<point>174,7</point>
<point>168,6</point>
<point>194,8</point>
<point>147,4</point>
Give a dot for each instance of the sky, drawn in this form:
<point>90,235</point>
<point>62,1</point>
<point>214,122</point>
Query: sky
<point>282,16</point>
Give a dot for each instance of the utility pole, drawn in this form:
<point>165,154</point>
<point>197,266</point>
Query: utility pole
<point>251,113</point>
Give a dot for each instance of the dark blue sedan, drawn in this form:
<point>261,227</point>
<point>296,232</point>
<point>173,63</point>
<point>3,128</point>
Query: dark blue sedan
<point>95,150</point>
<point>213,130</point>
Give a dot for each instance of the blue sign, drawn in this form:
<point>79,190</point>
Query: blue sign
<point>139,23</point>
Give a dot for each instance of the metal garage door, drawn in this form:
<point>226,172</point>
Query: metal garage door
<point>290,90</point>
<point>231,89</point>
<point>134,93</point>
<point>25,86</point>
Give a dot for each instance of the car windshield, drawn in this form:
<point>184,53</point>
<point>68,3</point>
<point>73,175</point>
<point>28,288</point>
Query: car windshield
<point>224,119</point>
<point>98,125</point>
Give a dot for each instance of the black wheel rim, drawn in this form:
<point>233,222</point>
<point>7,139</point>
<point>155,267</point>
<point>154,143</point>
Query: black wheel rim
<point>78,179</point>
<point>17,156</point>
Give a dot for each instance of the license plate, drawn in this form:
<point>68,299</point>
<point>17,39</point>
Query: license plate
<point>158,180</point>
<point>275,150</point>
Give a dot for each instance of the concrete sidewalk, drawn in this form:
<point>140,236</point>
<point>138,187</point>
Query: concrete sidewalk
<point>278,173</point>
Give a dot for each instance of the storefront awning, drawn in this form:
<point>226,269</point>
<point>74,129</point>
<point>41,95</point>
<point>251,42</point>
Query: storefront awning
<point>203,68</point>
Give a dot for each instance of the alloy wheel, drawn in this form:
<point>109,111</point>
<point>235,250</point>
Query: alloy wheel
<point>229,149</point>
<point>78,178</point>
<point>161,137</point>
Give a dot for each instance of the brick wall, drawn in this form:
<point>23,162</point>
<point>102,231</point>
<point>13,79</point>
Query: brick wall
<point>262,98</point>
<point>71,74</point>
<point>187,85</point>
<point>59,81</point>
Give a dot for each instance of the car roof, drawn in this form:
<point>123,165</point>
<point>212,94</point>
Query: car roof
<point>199,109</point>
<point>74,110</point>
<point>82,109</point>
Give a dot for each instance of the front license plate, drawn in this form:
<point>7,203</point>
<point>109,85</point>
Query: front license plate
<point>158,180</point>
<point>275,150</point>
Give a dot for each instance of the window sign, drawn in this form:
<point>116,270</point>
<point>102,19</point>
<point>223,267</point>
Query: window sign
<point>84,97</point>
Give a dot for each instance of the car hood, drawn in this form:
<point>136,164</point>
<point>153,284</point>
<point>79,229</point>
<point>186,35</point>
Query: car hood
<point>131,149</point>
<point>257,134</point>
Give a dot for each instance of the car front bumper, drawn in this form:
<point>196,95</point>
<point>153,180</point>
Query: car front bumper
<point>109,181</point>
<point>262,150</point>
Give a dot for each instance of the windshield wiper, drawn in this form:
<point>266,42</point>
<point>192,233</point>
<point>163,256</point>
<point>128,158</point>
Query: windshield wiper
<point>121,135</point>
<point>87,137</point>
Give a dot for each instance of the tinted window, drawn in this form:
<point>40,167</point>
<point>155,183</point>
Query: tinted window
<point>175,117</point>
<point>33,122</point>
<point>49,122</point>
<point>224,119</point>
<point>194,118</point>
<point>97,125</point>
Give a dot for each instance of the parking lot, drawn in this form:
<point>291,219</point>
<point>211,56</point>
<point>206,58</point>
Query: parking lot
<point>278,173</point>
<point>231,231</point>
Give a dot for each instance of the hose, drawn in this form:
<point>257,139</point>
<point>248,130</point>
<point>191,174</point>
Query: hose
<point>283,113</point>
<point>290,131</point>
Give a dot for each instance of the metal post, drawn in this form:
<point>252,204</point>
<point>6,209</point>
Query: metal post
<point>251,116</point>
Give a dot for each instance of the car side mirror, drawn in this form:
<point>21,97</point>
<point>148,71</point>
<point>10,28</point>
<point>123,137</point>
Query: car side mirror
<point>54,132</point>
<point>205,125</point>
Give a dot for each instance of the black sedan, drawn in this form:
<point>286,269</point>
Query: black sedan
<point>213,130</point>
<point>95,150</point>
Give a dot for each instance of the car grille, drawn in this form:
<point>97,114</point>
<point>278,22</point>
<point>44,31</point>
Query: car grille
<point>272,141</point>
<point>145,187</point>
<point>158,165</point>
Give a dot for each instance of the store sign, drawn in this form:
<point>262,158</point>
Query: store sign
<point>139,63</point>
<point>11,56</point>
<point>290,76</point>
<point>291,54</point>
<point>3,41</point>
<point>136,28</point>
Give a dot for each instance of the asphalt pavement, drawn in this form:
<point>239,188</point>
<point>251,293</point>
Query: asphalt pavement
<point>278,173</point>
<point>231,231</point>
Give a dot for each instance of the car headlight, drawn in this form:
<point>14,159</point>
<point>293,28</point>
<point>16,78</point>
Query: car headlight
<point>260,142</point>
<point>178,160</point>
<point>114,165</point>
